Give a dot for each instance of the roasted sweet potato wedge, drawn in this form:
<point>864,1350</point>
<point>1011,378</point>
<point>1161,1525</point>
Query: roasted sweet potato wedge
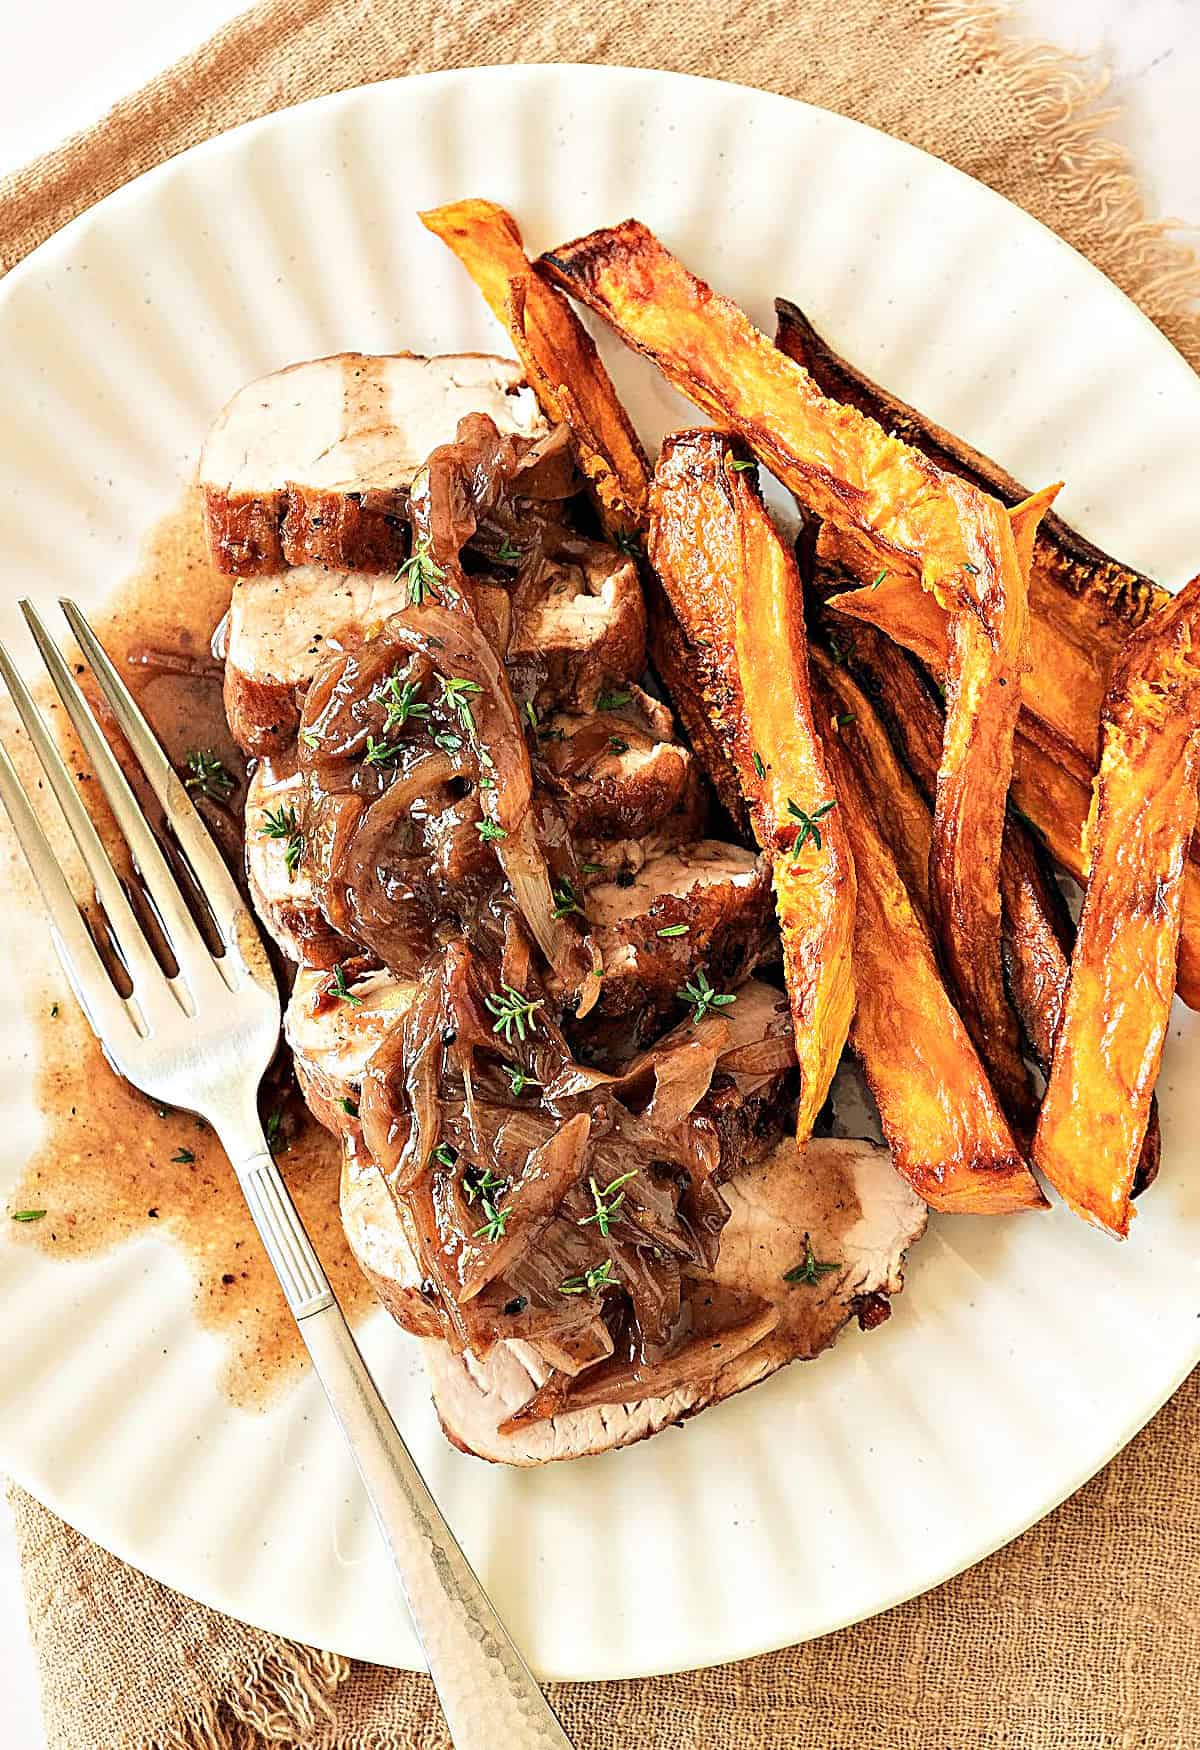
<point>1038,932</point>
<point>1110,1041</point>
<point>560,358</point>
<point>942,1121</point>
<point>1083,604</point>
<point>733,584</point>
<point>910,515</point>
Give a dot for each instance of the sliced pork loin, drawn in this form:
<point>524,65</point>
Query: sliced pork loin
<point>750,1104</point>
<point>332,1038</point>
<point>585,635</point>
<point>280,885</point>
<point>617,770</point>
<point>584,632</point>
<point>705,905</point>
<point>842,1198</point>
<point>315,461</point>
<point>277,630</point>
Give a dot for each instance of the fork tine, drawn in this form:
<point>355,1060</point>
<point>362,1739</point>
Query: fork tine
<point>188,945</point>
<point>109,1015</point>
<point>143,968</point>
<point>206,861</point>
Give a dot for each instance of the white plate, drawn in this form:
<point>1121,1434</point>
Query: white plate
<point>1023,1352</point>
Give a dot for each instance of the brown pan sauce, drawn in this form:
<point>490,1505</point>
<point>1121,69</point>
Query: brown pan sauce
<point>112,1164</point>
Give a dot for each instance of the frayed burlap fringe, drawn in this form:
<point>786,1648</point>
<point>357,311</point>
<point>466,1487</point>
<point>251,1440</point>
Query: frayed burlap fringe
<point>1097,198</point>
<point>1084,1635</point>
<point>1021,116</point>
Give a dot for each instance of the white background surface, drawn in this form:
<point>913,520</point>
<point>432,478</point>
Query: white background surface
<point>64,65</point>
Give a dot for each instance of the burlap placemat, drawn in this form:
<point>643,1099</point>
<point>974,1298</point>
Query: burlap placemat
<point>1085,1633</point>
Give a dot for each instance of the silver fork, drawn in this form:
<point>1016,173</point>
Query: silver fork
<point>202,1040</point>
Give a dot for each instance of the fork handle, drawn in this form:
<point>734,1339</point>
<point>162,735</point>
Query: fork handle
<point>487,1692</point>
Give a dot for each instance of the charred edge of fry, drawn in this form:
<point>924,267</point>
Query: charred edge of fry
<point>733,586</point>
<point>1080,568</point>
<point>677,662</point>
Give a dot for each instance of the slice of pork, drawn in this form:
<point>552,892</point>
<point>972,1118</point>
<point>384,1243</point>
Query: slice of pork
<point>584,634</point>
<point>282,892</point>
<point>842,1197</point>
<point>380,1241</point>
<point>714,902</point>
<point>619,770</point>
<point>570,645</point>
<point>278,628</point>
<point>314,462</point>
<point>750,1108</point>
<point>332,1041</point>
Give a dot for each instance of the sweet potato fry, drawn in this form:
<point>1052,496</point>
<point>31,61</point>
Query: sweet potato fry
<point>1038,932</point>
<point>912,516</point>
<point>733,585</point>
<point>559,355</point>
<point>911,617</point>
<point>1083,604</point>
<point>900,804</point>
<point>1110,1041</point>
<point>943,1124</point>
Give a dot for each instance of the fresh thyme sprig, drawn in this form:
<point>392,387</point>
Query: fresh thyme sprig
<point>811,1269</point>
<point>457,691</point>
<point>282,823</point>
<point>339,988</point>
<point>495,1218</point>
<point>481,1183</point>
<point>514,1013</point>
<point>518,1081</point>
<point>607,1201</point>
<point>809,829</point>
<point>700,993</point>
<point>592,1281</point>
<point>422,572</point>
<point>566,900</point>
<point>403,701</point>
<point>380,753</point>
<point>204,773</point>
